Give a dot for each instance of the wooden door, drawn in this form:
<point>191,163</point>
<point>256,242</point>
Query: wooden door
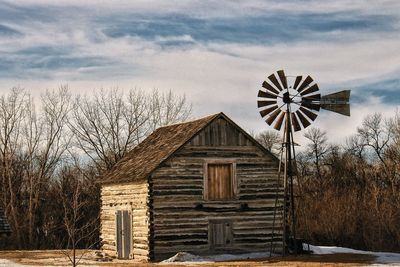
<point>220,184</point>
<point>124,233</point>
<point>220,234</point>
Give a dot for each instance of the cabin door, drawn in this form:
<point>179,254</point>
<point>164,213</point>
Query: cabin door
<point>220,234</point>
<point>124,233</point>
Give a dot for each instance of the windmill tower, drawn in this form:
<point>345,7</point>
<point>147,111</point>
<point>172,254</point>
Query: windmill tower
<point>293,102</point>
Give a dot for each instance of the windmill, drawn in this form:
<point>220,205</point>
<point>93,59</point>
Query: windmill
<point>294,102</point>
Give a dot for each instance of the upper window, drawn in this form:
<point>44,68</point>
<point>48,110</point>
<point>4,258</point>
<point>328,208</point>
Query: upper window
<point>219,182</point>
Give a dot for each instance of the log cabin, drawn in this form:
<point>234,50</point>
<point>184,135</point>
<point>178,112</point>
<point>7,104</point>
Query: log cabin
<point>204,187</point>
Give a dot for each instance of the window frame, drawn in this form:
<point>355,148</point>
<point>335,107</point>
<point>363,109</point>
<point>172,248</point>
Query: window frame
<point>232,163</point>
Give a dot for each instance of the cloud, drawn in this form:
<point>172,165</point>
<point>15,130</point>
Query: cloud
<point>267,29</point>
<point>218,8</point>
<point>385,90</point>
<point>216,52</point>
<point>8,31</point>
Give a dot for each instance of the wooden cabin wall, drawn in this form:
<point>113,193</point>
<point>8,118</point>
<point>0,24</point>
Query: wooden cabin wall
<point>180,214</point>
<point>132,197</point>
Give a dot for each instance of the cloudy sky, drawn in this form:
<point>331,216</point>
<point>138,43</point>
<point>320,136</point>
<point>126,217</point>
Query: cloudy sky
<point>216,52</point>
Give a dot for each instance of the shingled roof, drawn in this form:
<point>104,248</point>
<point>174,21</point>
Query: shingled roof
<point>4,226</point>
<point>151,152</point>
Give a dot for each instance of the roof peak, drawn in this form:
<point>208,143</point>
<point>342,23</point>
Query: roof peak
<point>194,120</point>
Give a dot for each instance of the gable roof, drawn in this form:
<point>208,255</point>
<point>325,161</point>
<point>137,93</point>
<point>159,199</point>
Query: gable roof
<point>4,226</point>
<point>140,162</point>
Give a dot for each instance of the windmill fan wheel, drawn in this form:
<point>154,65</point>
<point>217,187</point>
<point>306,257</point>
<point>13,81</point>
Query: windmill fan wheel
<point>289,96</point>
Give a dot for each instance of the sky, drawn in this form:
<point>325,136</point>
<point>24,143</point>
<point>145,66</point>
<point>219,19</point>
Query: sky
<point>217,53</point>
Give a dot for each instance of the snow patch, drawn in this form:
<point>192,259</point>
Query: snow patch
<point>8,263</point>
<point>184,257</point>
<point>386,258</point>
<point>187,257</point>
<point>382,257</point>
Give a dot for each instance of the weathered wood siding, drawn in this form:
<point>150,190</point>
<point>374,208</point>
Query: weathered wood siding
<point>132,197</point>
<point>181,216</point>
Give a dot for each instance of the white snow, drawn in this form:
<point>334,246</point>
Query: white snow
<point>8,263</point>
<point>185,257</point>
<point>382,257</point>
<point>386,258</point>
<point>4,263</point>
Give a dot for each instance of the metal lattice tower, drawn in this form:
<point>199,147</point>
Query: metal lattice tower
<point>294,102</point>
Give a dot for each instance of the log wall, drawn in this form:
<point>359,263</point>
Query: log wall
<point>132,197</point>
<point>181,215</point>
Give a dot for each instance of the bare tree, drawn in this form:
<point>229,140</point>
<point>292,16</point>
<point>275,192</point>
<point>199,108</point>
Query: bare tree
<point>31,147</point>
<point>317,148</point>
<point>78,226</point>
<point>355,146</point>
<point>109,124</point>
<point>46,144</point>
<point>167,108</point>
<point>271,140</point>
<point>376,134</point>
<point>12,111</point>
<point>32,131</point>
<point>394,147</point>
<point>106,126</point>
<point>392,154</point>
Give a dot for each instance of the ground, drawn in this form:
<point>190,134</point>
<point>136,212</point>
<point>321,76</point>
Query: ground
<point>58,258</point>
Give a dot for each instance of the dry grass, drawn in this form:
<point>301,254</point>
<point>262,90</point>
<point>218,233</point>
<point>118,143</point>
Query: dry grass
<point>57,258</point>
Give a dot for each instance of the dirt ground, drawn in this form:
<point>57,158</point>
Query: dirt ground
<point>58,258</point>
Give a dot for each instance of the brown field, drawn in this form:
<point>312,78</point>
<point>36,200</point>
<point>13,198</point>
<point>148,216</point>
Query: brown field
<point>58,258</point>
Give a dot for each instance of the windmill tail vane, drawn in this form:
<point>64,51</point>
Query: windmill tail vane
<point>293,101</point>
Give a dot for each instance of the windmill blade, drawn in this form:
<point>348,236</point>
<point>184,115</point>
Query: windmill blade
<point>343,109</point>
<point>303,119</point>
<point>305,83</point>
<point>295,123</point>
<point>282,77</point>
<point>308,113</point>
<point>266,94</point>
<point>311,98</point>
<point>273,116</point>
<point>269,87</point>
<point>274,80</point>
<point>268,110</point>
<point>312,89</point>
<point>310,105</point>
<point>279,122</point>
<point>261,104</point>
<point>297,81</point>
